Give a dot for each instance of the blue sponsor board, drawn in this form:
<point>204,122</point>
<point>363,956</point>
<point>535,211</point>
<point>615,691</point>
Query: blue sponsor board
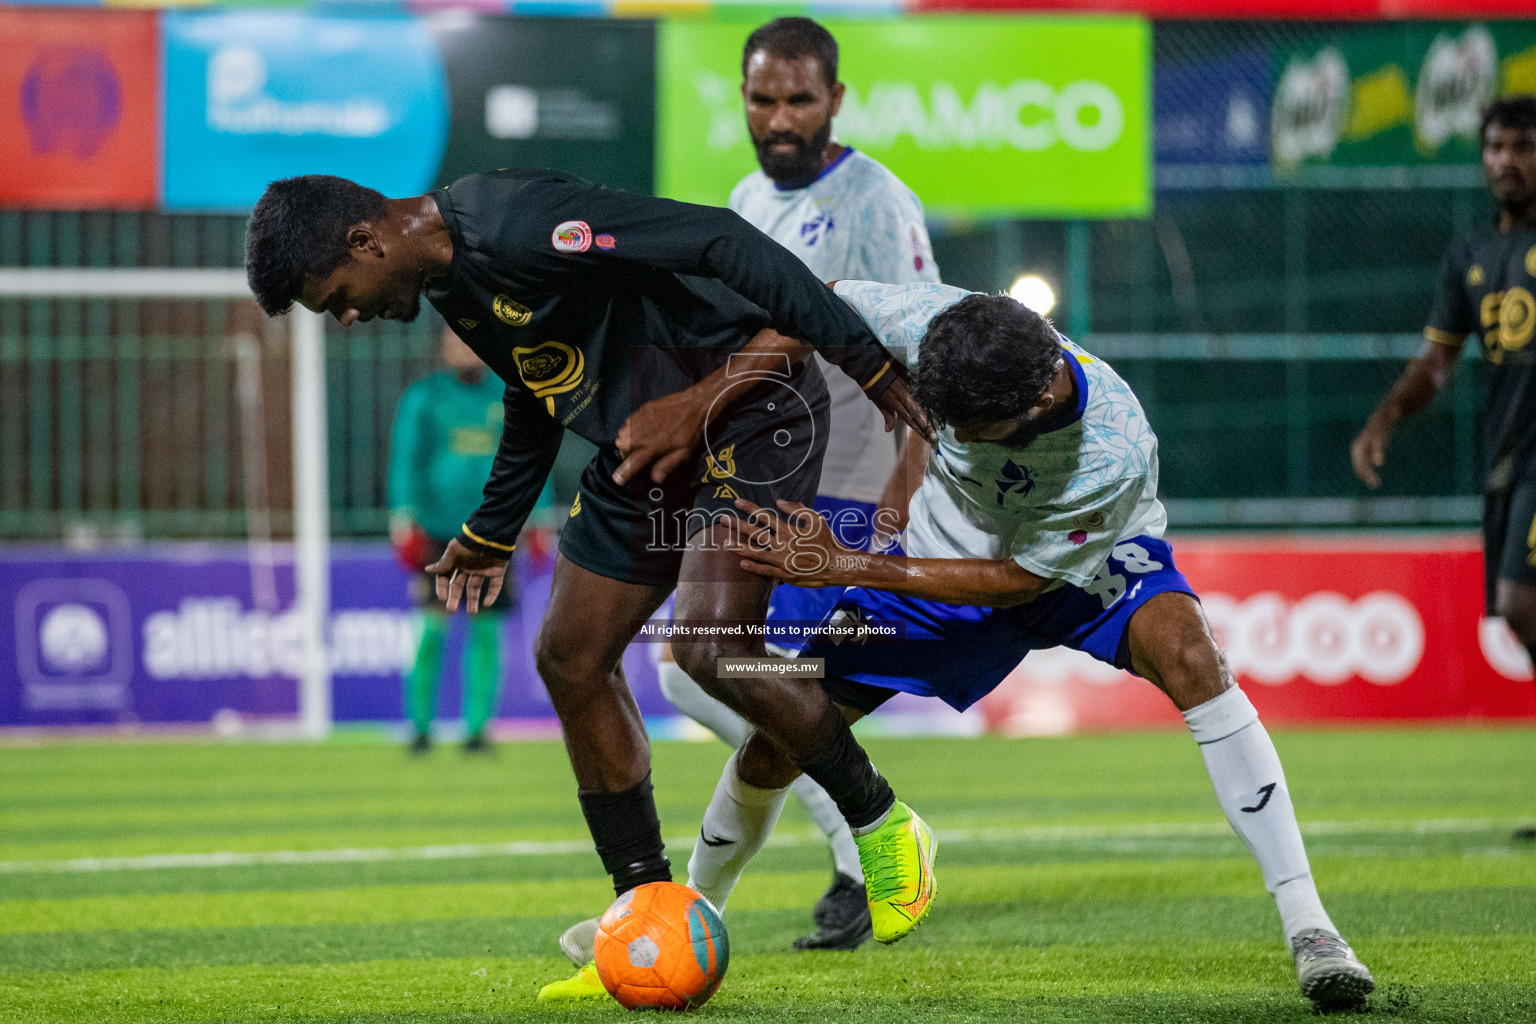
<point>252,96</point>
<point>177,634</point>
<point>1214,110</point>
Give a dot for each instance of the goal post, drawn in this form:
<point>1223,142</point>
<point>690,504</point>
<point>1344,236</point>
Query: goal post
<point>311,505</point>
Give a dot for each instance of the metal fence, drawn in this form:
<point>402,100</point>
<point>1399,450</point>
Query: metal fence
<point>1259,324</point>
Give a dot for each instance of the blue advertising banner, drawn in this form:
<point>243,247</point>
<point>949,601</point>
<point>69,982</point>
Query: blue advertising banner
<point>256,95</point>
<point>175,634</point>
<point>1214,110</point>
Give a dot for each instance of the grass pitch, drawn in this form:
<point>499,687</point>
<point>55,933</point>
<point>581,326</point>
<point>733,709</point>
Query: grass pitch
<point>1084,879</point>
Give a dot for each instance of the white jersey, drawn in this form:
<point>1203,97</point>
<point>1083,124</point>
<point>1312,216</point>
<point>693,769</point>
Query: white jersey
<point>1057,505</point>
<point>856,221</point>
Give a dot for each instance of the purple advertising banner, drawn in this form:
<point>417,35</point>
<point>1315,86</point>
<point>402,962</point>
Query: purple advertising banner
<point>197,633</point>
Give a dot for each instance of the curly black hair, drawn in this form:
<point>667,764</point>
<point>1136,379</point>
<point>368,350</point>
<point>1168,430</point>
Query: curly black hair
<point>984,359</point>
<point>298,230</point>
<point>792,39</point>
<point>1517,111</point>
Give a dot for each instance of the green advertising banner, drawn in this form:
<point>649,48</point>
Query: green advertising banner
<point>1397,95</point>
<point>1038,117</point>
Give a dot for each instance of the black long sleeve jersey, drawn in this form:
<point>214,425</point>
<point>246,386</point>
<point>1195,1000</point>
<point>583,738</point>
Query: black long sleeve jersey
<point>1485,287</point>
<point>590,302</point>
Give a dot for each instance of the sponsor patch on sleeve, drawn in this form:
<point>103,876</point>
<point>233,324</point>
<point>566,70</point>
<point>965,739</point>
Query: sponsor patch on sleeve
<point>571,236</point>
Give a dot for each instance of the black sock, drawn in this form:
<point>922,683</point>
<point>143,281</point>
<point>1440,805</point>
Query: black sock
<point>843,770</point>
<point>627,834</point>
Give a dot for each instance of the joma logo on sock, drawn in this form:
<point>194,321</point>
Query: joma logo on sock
<point>1267,792</point>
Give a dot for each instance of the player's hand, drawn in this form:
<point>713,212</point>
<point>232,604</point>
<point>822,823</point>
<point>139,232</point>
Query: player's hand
<point>796,548</point>
<point>1368,453</point>
<point>661,434</point>
<point>463,574</point>
<point>896,402</point>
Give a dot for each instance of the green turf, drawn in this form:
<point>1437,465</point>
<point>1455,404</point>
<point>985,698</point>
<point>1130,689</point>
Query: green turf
<point>1086,879</point>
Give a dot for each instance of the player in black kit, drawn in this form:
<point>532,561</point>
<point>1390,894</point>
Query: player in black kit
<point>1487,287</point>
<point>650,328</point>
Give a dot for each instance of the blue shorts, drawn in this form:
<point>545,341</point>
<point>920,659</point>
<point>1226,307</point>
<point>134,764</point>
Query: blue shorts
<point>853,524</point>
<point>960,653</point>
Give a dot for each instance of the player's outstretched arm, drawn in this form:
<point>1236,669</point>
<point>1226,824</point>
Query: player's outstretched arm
<point>1425,375</point>
<point>798,547</point>
<point>904,482</point>
<point>709,241</point>
<point>475,563</point>
<point>665,431</point>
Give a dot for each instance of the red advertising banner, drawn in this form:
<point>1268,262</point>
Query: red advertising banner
<point>79,109</point>
<point>1335,629</point>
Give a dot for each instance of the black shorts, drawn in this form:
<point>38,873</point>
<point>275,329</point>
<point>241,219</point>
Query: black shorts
<point>862,697</point>
<point>768,446</point>
<point>1509,537</point>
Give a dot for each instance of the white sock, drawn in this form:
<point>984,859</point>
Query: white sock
<point>689,698</point>
<point>845,852</point>
<point>1250,785</point>
<point>736,824</point>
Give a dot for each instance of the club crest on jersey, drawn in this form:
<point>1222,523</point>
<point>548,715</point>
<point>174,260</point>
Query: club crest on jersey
<point>1016,480</point>
<point>549,369</point>
<point>510,311</point>
<point>571,236</point>
<point>817,228</point>
<point>721,466</point>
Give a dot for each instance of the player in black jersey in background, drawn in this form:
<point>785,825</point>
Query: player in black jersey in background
<point>1487,287</point>
<point>625,319</point>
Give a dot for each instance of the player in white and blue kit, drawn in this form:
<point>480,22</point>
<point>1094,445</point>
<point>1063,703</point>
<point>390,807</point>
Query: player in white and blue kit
<point>1037,524</point>
<point>848,218</point>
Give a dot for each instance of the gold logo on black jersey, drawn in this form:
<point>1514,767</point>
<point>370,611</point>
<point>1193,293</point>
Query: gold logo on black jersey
<point>469,324</point>
<point>511,311</point>
<point>549,369</point>
<point>576,506</point>
<point>1530,261</point>
<point>1517,319</point>
<point>721,466</point>
<point>1475,272</point>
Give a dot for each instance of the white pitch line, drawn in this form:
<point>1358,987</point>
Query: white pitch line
<point>1031,834</point>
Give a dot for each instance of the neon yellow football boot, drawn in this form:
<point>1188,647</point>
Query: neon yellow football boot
<point>584,984</point>
<point>897,859</point>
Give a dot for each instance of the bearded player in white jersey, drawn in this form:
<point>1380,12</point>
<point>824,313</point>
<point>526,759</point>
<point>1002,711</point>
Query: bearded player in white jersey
<point>848,218</point>
<point>1036,524</point>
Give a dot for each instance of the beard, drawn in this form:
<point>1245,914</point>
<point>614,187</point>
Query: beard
<point>412,308</point>
<point>796,169</point>
<point>409,302</point>
<point>1023,435</point>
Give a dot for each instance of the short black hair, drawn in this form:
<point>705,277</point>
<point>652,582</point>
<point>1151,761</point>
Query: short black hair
<point>984,359</point>
<point>792,39</point>
<point>1517,111</point>
<point>299,230</point>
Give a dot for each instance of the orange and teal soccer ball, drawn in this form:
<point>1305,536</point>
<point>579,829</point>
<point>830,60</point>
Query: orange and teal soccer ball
<point>661,946</point>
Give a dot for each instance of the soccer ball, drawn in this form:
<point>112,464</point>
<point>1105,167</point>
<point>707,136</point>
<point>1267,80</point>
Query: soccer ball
<point>661,946</point>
